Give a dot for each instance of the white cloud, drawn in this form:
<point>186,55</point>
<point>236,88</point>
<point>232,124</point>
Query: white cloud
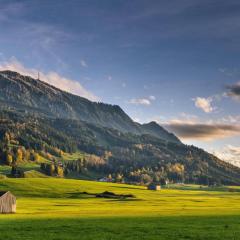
<point>140,101</point>
<point>83,63</point>
<point>109,77</point>
<point>51,78</point>
<point>230,154</point>
<point>124,85</point>
<point>204,104</point>
<point>152,98</point>
<point>143,101</point>
<point>231,119</point>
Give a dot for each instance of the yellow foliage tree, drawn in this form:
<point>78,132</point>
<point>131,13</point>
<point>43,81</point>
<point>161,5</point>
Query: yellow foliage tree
<point>9,159</point>
<point>19,156</point>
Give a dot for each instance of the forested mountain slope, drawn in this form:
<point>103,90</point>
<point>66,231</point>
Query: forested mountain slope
<point>31,95</point>
<point>38,119</point>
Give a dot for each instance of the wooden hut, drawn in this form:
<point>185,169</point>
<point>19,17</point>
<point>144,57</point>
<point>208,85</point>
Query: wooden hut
<point>153,186</point>
<point>7,202</point>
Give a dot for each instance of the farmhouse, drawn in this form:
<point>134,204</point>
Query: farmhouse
<point>7,202</point>
<point>105,179</point>
<point>153,186</point>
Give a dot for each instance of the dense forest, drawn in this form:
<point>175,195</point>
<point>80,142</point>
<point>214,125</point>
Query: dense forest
<point>123,156</point>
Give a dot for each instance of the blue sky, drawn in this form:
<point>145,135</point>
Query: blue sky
<point>175,62</point>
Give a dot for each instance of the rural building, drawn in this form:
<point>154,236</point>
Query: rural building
<point>153,186</point>
<point>7,202</point>
<point>105,179</point>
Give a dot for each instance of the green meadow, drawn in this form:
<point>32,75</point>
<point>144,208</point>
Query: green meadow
<point>50,208</point>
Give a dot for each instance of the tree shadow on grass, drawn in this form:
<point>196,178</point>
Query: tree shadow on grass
<point>81,195</point>
<point>106,194</point>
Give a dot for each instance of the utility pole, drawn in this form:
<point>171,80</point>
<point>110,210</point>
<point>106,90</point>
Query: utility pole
<point>38,76</point>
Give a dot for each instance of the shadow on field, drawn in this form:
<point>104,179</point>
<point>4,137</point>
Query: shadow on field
<point>81,195</point>
<point>106,194</point>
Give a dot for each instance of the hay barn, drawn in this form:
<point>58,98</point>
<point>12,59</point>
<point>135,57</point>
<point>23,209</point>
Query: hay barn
<point>7,202</point>
<point>155,187</point>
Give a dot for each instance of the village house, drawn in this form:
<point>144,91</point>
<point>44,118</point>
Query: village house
<point>7,202</point>
<point>105,179</point>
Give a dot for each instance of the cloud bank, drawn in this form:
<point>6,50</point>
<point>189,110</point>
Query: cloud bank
<point>203,131</point>
<point>234,91</point>
<point>191,127</point>
<point>51,78</point>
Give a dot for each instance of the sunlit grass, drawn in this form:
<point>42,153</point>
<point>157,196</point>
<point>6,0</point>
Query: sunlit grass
<point>61,196</point>
<point>60,202</point>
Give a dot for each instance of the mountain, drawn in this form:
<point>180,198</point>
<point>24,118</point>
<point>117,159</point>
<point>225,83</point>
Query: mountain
<point>37,119</point>
<point>156,130</point>
<point>31,95</point>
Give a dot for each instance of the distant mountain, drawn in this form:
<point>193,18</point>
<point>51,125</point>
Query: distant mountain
<point>37,118</point>
<point>34,96</point>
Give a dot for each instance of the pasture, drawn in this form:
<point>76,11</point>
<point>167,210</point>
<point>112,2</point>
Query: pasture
<point>50,208</point>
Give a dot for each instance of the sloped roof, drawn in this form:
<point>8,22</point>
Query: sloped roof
<point>2,193</point>
<point>153,185</point>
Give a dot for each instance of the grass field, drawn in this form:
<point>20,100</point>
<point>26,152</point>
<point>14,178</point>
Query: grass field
<point>51,208</point>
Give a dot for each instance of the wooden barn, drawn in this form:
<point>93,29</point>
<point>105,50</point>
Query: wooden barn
<point>153,186</point>
<point>7,202</point>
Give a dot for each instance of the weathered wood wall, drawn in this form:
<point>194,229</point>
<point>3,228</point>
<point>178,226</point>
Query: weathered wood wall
<point>8,203</point>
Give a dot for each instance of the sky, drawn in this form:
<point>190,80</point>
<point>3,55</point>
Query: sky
<point>173,62</point>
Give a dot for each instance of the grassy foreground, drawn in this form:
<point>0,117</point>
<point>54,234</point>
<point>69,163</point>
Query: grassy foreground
<point>51,208</point>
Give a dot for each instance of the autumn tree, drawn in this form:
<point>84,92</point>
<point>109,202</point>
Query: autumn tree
<point>9,158</point>
<point>19,155</point>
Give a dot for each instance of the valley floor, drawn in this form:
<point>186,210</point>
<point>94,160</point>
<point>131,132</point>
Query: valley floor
<point>57,209</point>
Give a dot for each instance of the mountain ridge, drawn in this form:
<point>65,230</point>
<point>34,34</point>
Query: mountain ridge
<point>50,100</point>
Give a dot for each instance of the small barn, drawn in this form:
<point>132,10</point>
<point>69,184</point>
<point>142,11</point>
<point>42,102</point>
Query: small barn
<point>8,202</point>
<point>154,187</point>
